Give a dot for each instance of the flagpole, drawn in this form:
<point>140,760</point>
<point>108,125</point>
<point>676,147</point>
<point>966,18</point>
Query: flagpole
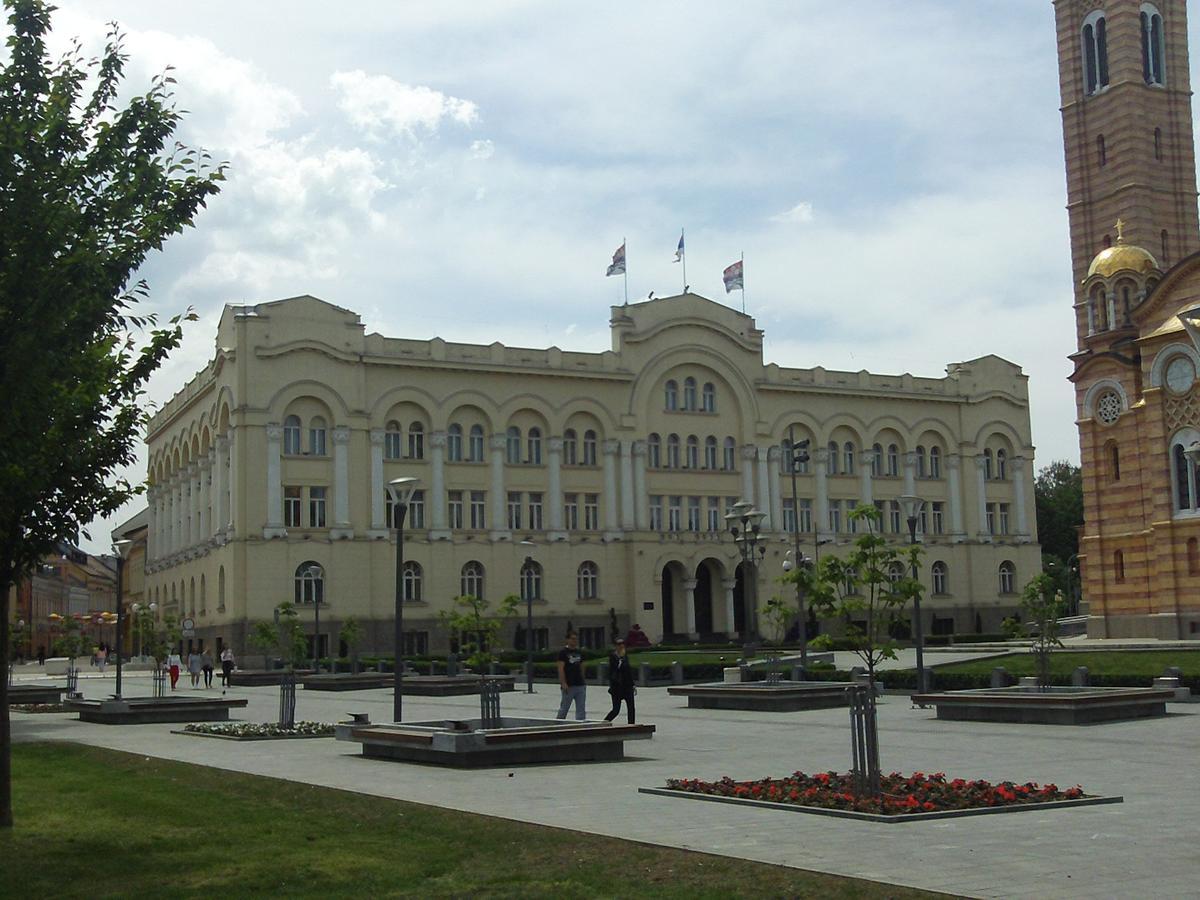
<point>683,259</point>
<point>743,283</point>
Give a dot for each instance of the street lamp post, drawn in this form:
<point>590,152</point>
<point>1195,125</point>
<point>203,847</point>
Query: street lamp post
<point>1072,605</point>
<point>745,524</point>
<point>912,510</point>
<point>797,456</point>
<point>401,490</point>
<point>120,548</point>
<point>529,546</point>
<point>317,591</point>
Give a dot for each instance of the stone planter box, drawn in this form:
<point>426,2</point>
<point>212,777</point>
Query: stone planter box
<point>1052,706</point>
<point>146,710</point>
<point>449,685</point>
<point>260,677</point>
<point>465,744</point>
<point>36,693</point>
<point>786,696</point>
<point>344,681</point>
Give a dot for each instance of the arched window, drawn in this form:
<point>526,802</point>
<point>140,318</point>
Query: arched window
<point>589,448</point>
<point>895,572</point>
<point>671,400</point>
<point>570,442</point>
<point>475,444</point>
<point>471,582</point>
<point>710,452</point>
<point>708,398</point>
<point>1095,53</point>
<point>316,436</point>
<point>1153,70</point>
<point>729,463</point>
<point>654,451</point>
<point>877,460</point>
<point>291,435</point>
<point>416,441</point>
<point>689,394</point>
<point>941,577</point>
<point>534,447</point>
<point>920,460</point>
<point>1112,455</point>
<point>672,451</point>
<point>848,458</point>
<point>310,583</point>
<point>587,581</point>
<point>987,463</point>
<point>1193,556</point>
<point>832,464</point>
<point>692,460</point>
<point>1119,566</point>
<point>935,462</point>
<point>893,460</point>
<point>1101,151</point>
<point>1008,578</point>
<point>454,443</point>
<point>512,445</point>
<point>392,440</point>
<point>412,582</point>
<point>1183,473</point>
<point>1001,465</point>
<point>531,581</point>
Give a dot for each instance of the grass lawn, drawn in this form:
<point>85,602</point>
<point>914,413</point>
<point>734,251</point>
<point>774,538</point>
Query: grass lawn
<point>98,823</point>
<point>1147,663</point>
<point>687,657</point>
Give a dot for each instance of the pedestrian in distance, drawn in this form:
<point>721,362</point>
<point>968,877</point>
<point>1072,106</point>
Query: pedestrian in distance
<point>570,678</point>
<point>206,666</point>
<point>620,681</point>
<point>194,665</point>
<point>41,655</point>
<point>101,658</point>
<point>226,666</point>
<point>174,663</point>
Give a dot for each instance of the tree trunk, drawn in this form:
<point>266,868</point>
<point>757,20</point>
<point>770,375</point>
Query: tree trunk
<point>6,811</point>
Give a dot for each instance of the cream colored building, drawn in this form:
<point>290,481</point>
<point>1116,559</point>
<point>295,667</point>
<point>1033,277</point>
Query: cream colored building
<point>268,473</point>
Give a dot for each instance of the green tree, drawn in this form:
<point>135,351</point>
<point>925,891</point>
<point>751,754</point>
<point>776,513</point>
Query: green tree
<point>283,637</point>
<point>478,632</point>
<point>70,642</point>
<point>1058,491</point>
<point>88,188</point>
<point>1041,605</point>
<point>351,634</point>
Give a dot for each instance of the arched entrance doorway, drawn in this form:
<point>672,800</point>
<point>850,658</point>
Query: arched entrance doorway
<point>739,599</point>
<point>667,602</point>
<point>703,597</point>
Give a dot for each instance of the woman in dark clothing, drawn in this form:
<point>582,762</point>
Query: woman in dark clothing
<point>620,681</point>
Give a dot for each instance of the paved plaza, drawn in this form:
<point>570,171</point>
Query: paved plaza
<point>1144,847</point>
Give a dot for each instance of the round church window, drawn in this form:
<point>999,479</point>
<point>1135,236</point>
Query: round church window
<point>1180,374</point>
<point>1108,407</point>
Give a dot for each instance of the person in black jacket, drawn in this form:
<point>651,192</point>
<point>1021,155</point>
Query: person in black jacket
<point>620,681</point>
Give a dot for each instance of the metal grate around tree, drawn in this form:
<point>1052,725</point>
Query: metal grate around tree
<point>864,740</point>
<point>489,703</point>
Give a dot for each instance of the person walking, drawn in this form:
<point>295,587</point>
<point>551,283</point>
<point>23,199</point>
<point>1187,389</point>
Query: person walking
<point>173,665</point>
<point>206,666</point>
<point>570,678</point>
<point>226,666</point>
<point>193,663</point>
<point>101,658</point>
<point>41,655</point>
<point>620,681</point>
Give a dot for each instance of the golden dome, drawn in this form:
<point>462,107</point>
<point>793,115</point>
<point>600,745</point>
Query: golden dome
<point>1120,256</point>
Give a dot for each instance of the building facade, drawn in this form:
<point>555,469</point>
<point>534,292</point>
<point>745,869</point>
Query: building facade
<point>1131,192</point>
<point>269,469</point>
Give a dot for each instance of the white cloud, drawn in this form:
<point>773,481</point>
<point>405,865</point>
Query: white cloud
<point>482,149</point>
<point>377,103</point>
<point>801,213</point>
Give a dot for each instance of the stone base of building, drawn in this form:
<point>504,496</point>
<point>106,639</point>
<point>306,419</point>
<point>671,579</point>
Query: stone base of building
<point>1159,626</point>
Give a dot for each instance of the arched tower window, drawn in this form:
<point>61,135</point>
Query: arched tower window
<point>1119,566</point>
<point>310,583</point>
<point>1113,457</point>
<point>412,582</point>
<point>1153,69</point>
<point>1095,53</point>
<point>1183,473</point>
<point>1008,577</point>
<point>472,580</point>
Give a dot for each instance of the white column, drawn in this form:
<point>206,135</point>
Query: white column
<point>764,490</point>
<point>342,528</point>
<point>953,463</point>
<point>232,482</point>
<point>379,528</point>
<point>556,494</point>
<point>152,523</point>
<point>192,506</point>
<point>749,455</point>
<point>610,449</point>
<point>981,487</point>
<point>499,530</point>
<point>274,527</point>
<point>730,617</point>
<point>773,490</point>
<point>821,467</point>
<point>1016,465</point>
<point>437,456</point>
<point>866,460</point>
<point>219,487</point>
<point>689,600</point>
<point>641,500</point>
<point>910,473</point>
<point>206,466</point>
<point>169,528</point>
<point>628,515</point>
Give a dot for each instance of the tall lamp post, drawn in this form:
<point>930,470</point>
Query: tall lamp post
<point>318,589</point>
<point>912,511</point>
<point>1072,604</point>
<point>798,456</point>
<point>401,490</point>
<point>529,547</point>
<point>745,524</point>
<point>120,548</point>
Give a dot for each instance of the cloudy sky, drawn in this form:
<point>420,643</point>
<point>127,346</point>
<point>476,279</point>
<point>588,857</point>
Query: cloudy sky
<point>892,171</point>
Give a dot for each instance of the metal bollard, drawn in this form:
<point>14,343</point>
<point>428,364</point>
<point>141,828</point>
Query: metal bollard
<point>644,675</point>
<point>1000,677</point>
<point>676,673</point>
<point>1079,678</point>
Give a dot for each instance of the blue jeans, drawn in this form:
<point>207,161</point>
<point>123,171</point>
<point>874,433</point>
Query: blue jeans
<point>578,694</point>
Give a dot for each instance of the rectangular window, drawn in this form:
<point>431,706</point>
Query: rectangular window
<point>675,514</point>
<point>291,506</point>
<point>316,441</point>
<point>693,513</point>
<point>991,518</point>
<point>835,516</point>
<point>478,504</point>
<point>593,638</point>
<point>881,508</point>
<point>789,516</point>
<point>571,512</point>
<point>806,516</point>
<point>591,512</point>
<point>1003,518</point>
<point>852,525</point>
<point>416,510</point>
<point>656,518</point>
<point>938,518</point>
<point>316,507</point>
<point>416,643</point>
<point>514,510</point>
<point>416,443</point>
<point>535,512</point>
<point>454,506</point>
<point>923,519</point>
<point>714,514</point>
<point>894,518</point>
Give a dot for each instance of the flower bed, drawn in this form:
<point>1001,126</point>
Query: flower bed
<point>250,731</point>
<point>916,793</point>
<point>38,707</point>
